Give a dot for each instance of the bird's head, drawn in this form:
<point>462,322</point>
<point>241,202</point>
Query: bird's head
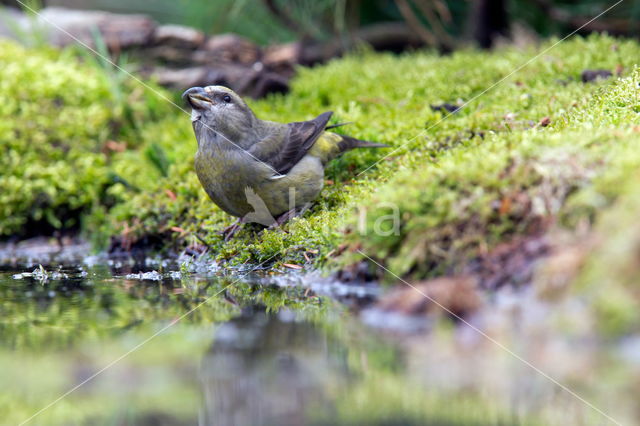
<point>218,109</point>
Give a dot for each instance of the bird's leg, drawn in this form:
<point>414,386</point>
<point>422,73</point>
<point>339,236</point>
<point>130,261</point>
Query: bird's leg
<point>285,217</point>
<point>230,231</point>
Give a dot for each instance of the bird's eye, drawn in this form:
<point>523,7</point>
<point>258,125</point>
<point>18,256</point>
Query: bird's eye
<point>226,99</point>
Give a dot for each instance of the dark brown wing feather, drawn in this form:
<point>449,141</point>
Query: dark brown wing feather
<point>302,135</point>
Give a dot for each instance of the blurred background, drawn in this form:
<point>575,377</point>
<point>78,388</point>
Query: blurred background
<point>253,46</point>
<point>442,23</point>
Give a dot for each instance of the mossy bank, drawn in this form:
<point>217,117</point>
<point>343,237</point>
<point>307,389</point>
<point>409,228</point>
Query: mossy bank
<point>534,150</point>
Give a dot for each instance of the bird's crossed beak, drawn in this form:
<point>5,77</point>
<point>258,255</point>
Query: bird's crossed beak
<point>197,98</point>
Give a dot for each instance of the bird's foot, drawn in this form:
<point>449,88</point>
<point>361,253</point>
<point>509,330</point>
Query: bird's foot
<point>230,231</point>
<point>285,217</point>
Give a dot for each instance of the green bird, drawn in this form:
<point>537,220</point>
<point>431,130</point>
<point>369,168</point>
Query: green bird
<point>257,170</point>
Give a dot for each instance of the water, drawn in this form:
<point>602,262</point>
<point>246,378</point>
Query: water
<point>122,343</point>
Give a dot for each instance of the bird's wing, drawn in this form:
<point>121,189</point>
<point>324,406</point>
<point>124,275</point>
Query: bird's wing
<point>295,144</point>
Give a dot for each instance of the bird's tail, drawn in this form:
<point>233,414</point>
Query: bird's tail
<point>347,143</point>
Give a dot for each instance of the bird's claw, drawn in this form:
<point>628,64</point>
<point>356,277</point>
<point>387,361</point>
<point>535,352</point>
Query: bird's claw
<point>230,231</point>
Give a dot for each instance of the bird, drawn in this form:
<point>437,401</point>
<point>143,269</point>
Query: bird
<point>258,170</point>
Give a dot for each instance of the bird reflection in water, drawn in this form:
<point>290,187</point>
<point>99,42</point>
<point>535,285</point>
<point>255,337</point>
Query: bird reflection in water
<point>271,369</point>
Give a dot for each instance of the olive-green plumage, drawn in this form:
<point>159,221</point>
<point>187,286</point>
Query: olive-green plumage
<point>239,154</point>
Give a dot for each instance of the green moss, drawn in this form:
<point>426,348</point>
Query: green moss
<point>610,204</point>
<point>460,184</point>
<point>510,182</point>
<point>57,114</point>
<point>445,172</point>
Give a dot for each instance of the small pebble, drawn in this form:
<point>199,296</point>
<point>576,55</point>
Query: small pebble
<point>593,75</point>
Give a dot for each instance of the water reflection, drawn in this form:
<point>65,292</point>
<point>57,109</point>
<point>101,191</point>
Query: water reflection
<point>268,352</point>
<point>270,370</point>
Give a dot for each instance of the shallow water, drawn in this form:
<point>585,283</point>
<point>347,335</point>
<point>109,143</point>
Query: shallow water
<point>117,343</point>
<point>250,353</point>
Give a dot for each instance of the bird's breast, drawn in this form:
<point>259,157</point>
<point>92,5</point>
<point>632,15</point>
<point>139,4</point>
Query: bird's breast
<point>225,175</point>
